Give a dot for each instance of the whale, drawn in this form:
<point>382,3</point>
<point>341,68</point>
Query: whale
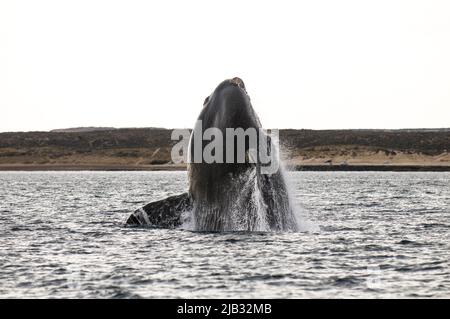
<point>232,192</point>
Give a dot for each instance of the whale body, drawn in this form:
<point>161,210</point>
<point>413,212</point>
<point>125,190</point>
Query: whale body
<point>223,195</point>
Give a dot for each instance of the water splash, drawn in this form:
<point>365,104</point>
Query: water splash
<point>249,212</point>
<point>304,224</point>
<point>187,221</point>
<point>253,203</point>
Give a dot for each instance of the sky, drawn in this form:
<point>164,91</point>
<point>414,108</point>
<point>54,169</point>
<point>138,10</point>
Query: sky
<point>306,64</point>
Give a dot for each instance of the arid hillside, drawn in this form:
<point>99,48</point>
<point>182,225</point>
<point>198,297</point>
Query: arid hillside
<point>146,147</point>
<point>371,147</point>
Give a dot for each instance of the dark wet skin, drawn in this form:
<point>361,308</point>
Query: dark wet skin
<point>214,187</point>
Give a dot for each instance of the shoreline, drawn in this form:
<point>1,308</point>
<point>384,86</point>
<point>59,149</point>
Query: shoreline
<point>306,167</point>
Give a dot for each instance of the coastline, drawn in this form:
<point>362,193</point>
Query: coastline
<point>165,167</point>
<point>149,149</point>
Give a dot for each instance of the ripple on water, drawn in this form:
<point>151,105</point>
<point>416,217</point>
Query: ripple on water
<point>378,235</point>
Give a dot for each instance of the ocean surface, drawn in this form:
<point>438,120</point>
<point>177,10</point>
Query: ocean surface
<point>363,235</point>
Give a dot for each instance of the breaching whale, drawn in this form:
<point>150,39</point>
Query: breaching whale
<point>227,194</point>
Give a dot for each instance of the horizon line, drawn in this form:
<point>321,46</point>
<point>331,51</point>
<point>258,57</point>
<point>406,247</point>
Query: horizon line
<point>106,128</point>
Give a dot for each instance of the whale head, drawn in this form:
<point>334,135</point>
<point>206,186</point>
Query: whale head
<point>227,107</point>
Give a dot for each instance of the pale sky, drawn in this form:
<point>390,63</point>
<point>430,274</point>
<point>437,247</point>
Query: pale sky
<point>306,64</point>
